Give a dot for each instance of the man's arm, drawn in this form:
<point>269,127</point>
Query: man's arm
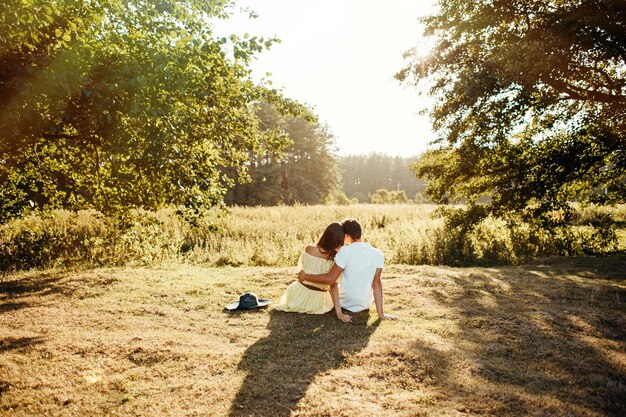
<point>328,278</point>
<point>377,289</point>
<point>334,293</point>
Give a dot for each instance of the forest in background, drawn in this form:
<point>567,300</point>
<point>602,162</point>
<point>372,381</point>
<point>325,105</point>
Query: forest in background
<point>307,171</point>
<point>323,178</point>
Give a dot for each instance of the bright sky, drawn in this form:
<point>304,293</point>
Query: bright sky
<point>340,56</point>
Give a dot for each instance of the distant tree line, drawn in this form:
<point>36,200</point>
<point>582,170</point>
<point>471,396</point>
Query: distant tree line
<point>363,175</point>
<point>308,172</point>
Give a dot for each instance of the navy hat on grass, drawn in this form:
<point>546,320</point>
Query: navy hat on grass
<point>247,301</point>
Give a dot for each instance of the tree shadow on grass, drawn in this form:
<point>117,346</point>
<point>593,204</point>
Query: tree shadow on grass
<point>610,268</point>
<point>40,284</point>
<point>12,343</point>
<point>281,366</point>
<point>17,293</point>
<point>540,337</point>
<point>7,306</point>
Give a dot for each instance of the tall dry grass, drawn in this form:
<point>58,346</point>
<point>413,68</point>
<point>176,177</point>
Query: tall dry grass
<point>275,236</point>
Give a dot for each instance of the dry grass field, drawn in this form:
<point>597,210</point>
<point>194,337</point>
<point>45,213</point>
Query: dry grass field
<point>411,234</point>
<point>547,338</point>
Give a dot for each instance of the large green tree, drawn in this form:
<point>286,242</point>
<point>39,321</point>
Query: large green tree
<point>114,104</point>
<point>530,106</point>
<point>305,171</point>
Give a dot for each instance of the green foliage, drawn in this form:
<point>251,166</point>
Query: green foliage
<point>120,104</point>
<point>340,198</point>
<point>530,108</point>
<point>421,198</point>
<point>275,236</point>
<point>383,196</point>
<point>362,175</point>
<point>305,172</point>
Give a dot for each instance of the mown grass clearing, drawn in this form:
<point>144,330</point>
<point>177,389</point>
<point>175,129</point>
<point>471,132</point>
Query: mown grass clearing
<point>548,338</point>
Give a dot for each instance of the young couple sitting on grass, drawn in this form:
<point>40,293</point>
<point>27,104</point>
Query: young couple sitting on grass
<point>340,271</point>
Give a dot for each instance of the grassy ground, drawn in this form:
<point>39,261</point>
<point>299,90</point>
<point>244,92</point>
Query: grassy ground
<point>548,338</point>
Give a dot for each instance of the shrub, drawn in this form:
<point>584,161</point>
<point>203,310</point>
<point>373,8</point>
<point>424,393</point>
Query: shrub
<point>383,196</point>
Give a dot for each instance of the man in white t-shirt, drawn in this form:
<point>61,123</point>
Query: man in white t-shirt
<point>362,266</point>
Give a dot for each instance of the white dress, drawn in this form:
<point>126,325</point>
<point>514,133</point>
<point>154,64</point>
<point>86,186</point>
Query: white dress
<point>298,298</point>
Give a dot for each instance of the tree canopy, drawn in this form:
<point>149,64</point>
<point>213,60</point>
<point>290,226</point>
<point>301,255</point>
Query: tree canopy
<point>114,104</point>
<point>530,106</point>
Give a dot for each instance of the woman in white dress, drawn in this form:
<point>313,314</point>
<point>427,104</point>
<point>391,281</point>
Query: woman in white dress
<point>309,297</point>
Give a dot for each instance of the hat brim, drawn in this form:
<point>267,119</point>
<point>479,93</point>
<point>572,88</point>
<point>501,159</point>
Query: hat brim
<point>235,305</point>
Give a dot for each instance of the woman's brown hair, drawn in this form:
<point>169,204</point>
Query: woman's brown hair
<point>331,239</point>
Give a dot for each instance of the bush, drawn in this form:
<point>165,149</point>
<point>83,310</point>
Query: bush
<point>383,196</point>
<point>87,238</point>
<point>340,198</point>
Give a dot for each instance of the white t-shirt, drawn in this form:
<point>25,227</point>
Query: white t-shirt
<point>359,262</point>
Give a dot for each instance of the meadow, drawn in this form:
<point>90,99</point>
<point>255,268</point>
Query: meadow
<point>275,236</point>
<point>541,339</point>
<point>103,320</point>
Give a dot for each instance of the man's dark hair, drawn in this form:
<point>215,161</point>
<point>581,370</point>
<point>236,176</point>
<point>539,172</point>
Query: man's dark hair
<point>352,227</point>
